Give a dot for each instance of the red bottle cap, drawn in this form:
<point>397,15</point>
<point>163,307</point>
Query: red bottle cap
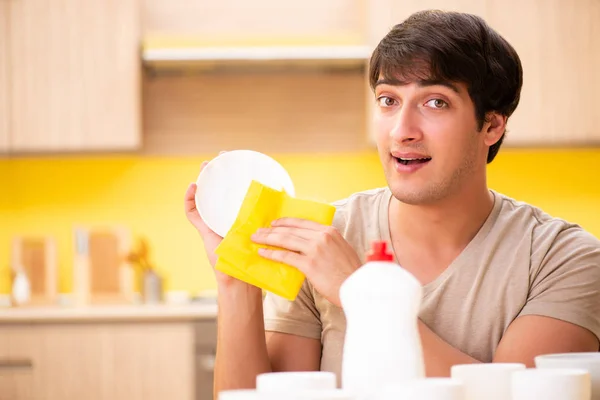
<point>379,252</point>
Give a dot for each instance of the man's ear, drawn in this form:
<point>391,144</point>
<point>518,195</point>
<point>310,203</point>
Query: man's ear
<point>494,127</point>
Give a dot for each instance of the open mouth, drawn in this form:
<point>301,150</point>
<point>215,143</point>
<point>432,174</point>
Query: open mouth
<point>410,161</point>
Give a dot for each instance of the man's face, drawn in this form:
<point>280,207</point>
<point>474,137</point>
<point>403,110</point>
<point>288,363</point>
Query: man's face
<point>427,139</point>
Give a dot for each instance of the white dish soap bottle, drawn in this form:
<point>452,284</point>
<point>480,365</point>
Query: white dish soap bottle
<point>382,346</point>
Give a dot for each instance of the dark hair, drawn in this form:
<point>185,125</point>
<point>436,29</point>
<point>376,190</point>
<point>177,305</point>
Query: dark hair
<point>445,46</point>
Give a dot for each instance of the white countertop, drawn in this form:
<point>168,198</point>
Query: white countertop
<point>106,313</point>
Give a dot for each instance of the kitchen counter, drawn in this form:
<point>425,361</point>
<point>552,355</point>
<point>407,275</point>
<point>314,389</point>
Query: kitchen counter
<point>116,351</point>
<point>106,313</point>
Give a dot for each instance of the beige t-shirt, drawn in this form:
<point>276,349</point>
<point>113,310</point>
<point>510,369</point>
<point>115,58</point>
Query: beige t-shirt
<point>521,262</point>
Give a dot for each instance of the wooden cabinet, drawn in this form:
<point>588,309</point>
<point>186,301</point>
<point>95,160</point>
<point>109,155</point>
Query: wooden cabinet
<point>559,46</point>
<point>100,361</point>
<point>258,22</point>
<point>70,75</point>
<point>16,365</point>
<point>74,74</point>
<point>16,381</point>
<point>298,89</point>
<point>4,82</point>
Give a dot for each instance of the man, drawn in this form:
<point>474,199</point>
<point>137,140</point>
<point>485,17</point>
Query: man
<point>503,281</point>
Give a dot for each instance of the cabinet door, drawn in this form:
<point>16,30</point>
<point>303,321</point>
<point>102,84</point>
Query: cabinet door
<point>257,22</point>
<point>16,381</point>
<point>4,81</point>
<point>74,75</point>
<point>17,367</point>
<point>559,45</point>
<point>120,361</point>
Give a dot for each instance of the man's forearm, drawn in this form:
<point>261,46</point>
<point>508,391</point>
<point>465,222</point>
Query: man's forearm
<point>241,346</point>
<point>439,356</point>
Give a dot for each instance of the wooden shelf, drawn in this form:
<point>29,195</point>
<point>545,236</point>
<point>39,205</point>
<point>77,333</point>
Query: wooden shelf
<point>341,56</point>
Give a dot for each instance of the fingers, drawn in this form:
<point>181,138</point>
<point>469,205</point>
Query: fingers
<point>190,202</point>
<point>281,240</point>
<point>301,223</point>
<point>204,163</point>
<point>190,193</point>
<point>283,256</point>
<point>288,231</point>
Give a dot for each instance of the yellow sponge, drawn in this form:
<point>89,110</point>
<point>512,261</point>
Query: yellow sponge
<point>238,255</point>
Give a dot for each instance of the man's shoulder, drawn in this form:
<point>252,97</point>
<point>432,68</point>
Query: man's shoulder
<point>548,231</point>
<point>361,211</point>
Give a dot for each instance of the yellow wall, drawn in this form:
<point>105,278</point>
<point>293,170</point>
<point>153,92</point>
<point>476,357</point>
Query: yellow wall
<point>50,195</point>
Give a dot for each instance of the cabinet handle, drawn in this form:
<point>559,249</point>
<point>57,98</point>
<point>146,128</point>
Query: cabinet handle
<point>16,363</point>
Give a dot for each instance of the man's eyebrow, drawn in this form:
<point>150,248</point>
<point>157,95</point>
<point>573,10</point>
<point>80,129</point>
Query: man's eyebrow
<point>420,83</point>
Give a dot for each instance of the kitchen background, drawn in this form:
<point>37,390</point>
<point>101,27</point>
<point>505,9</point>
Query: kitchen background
<point>48,196</point>
<point>108,108</point>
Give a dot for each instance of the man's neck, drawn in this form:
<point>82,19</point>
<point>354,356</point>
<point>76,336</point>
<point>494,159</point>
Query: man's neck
<point>443,228</point>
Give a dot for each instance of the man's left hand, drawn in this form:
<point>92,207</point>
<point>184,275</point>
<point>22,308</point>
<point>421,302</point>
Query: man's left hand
<point>318,251</point>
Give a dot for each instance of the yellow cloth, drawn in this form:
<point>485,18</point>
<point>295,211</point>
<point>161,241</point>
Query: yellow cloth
<point>238,255</point>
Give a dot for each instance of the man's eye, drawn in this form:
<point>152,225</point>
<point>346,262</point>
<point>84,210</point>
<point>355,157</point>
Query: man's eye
<point>436,103</point>
<point>385,101</point>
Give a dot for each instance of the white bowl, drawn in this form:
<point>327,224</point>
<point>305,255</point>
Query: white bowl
<point>424,389</point>
<point>551,384</point>
<point>252,394</point>
<point>587,361</point>
<point>224,182</point>
<point>297,381</point>
<point>245,394</point>
<point>489,381</point>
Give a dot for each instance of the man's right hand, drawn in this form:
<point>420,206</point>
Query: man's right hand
<point>211,239</point>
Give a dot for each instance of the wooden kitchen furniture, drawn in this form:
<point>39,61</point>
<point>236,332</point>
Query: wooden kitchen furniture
<point>116,76</point>
<point>101,353</point>
<point>69,76</point>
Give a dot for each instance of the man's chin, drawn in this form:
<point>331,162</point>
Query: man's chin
<point>414,196</point>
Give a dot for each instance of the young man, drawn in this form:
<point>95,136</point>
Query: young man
<point>503,281</point>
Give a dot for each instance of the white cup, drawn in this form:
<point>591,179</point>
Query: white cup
<point>328,394</point>
<point>588,361</point>
<point>551,384</point>
<point>246,394</point>
<point>252,394</point>
<point>425,389</point>
<point>489,381</point>
<point>295,381</point>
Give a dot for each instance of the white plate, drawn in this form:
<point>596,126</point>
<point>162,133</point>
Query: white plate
<point>224,182</point>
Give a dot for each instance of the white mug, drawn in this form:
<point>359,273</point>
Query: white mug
<point>425,389</point>
<point>246,394</point>
<point>489,381</point>
<point>588,361</point>
<point>551,384</point>
<point>295,381</point>
<point>252,394</point>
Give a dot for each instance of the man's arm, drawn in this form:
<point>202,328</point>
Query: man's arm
<point>438,355</point>
<point>532,335</point>
<point>526,338</point>
<point>243,349</point>
<point>293,353</point>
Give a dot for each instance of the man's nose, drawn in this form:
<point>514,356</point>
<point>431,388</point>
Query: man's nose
<point>406,127</point>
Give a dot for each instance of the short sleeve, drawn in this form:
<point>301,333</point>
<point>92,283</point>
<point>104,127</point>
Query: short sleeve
<point>566,285</point>
<point>299,317</point>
